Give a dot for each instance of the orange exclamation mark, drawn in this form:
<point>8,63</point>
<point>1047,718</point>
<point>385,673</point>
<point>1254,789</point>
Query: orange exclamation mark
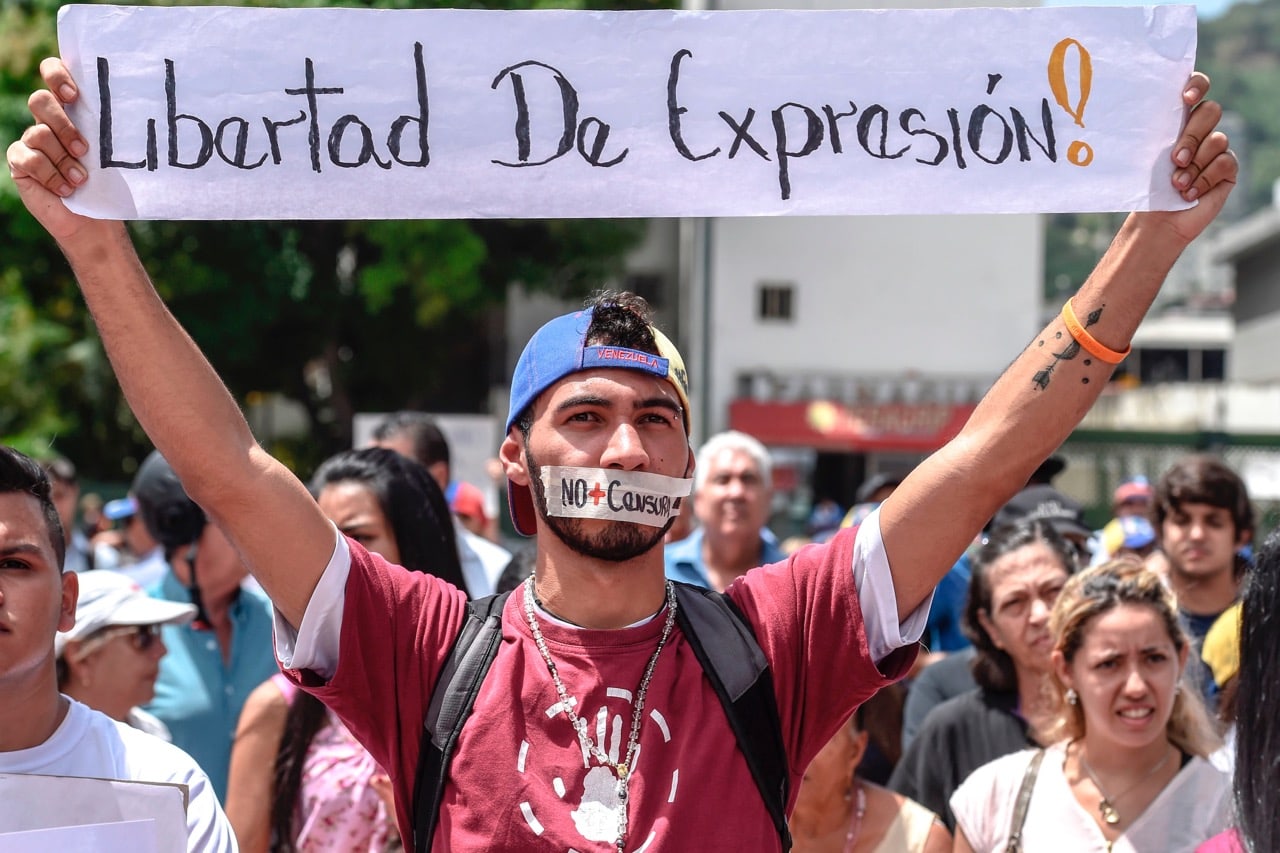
<point>1078,152</point>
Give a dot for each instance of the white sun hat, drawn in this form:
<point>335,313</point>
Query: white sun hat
<point>109,598</point>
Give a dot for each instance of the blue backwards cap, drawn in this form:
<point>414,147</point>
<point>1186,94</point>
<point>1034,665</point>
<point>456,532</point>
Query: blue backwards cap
<point>559,349</point>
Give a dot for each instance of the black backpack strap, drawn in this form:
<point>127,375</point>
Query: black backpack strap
<point>725,644</point>
<point>451,703</point>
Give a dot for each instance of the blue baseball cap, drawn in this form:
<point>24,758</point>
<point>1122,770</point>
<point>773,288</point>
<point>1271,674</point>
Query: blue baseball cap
<point>1132,531</point>
<point>118,509</point>
<point>560,349</point>
<point>1137,530</point>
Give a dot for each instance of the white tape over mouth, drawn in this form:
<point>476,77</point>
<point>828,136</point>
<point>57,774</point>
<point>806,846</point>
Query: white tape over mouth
<point>634,496</point>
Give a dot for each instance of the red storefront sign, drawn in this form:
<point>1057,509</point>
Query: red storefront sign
<point>827,425</point>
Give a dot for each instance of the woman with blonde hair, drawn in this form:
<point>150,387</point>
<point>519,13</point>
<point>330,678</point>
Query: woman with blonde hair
<point>1127,771</point>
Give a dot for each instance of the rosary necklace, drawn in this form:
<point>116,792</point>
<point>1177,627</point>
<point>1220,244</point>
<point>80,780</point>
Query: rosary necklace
<point>621,769</point>
<point>1106,806</point>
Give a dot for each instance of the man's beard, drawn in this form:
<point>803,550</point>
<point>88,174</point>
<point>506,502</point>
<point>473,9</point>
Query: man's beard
<point>617,542</point>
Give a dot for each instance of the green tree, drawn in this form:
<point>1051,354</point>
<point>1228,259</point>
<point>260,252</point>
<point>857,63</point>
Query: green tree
<point>340,316</point>
<point>1240,51</point>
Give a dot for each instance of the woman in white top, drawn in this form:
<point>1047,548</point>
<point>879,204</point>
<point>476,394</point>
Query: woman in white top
<point>1127,770</point>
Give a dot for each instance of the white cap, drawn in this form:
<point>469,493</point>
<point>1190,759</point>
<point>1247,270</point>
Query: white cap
<point>109,598</point>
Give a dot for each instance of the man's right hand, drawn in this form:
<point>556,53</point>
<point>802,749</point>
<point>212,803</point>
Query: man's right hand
<point>45,161</point>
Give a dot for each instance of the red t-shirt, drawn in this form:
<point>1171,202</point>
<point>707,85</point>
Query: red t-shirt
<point>519,778</point>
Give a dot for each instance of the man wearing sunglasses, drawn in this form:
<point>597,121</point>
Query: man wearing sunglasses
<point>110,658</point>
<point>43,732</point>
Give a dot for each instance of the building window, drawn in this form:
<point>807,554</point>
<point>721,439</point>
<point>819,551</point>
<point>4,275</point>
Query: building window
<point>1213,365</point>
<point>1161,364</point>
<point>777,301</point>
<point>1154,365</point>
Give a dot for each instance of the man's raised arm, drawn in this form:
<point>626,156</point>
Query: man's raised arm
<point>174,392</point>
<point>932,517</point>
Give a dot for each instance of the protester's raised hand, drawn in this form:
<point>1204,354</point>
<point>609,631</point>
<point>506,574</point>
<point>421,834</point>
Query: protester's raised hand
<point>44,162</point>
<point>1205,169</point>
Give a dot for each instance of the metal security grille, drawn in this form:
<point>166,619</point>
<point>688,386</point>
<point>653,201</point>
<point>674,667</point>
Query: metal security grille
<point>1097,462</point>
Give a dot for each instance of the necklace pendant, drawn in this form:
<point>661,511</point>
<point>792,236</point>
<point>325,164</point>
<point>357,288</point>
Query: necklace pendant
<point>1110,816</point>
<point>621,787</point>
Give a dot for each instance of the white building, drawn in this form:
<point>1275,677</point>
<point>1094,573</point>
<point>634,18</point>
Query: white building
<point>867,339</point>
<point>1219,385</point>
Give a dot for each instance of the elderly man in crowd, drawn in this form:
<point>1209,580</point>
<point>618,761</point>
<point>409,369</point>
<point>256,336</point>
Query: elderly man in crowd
<point>732,489</point>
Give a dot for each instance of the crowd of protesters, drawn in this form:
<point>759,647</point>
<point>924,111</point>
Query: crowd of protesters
<point>1030,616</point>
<point>1090,712</point>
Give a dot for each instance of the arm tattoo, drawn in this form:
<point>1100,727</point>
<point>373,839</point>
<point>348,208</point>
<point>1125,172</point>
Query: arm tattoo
<point>1070,351</point>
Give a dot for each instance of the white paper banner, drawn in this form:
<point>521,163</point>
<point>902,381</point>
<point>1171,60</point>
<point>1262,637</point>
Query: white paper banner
<point>248,113</point>
<point>98,815</point>
<point>133,836</point>
<point>634,496</point>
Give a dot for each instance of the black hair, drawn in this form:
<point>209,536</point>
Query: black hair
<point>411,500</point>
<point>429,444</point>
<point>618,318</point>
<point>422,526</point>
<point>1204,479</point>
<point>171,517</point>
<point>881,718</point>
<point>21,473</point>
<point>303,720</point>
<point>1257,696</point>
<point>993,669</point>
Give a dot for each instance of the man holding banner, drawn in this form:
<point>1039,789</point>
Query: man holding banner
<point>591,671</point>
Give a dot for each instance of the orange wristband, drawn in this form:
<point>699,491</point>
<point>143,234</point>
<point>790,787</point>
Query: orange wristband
<point>1088,341</point>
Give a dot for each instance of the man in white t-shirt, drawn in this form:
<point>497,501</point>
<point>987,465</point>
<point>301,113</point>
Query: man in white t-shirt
<point>43,732</point>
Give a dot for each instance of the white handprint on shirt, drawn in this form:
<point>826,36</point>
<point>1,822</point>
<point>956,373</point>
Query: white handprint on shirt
<point>597,814</point>
<point>599,811</point>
